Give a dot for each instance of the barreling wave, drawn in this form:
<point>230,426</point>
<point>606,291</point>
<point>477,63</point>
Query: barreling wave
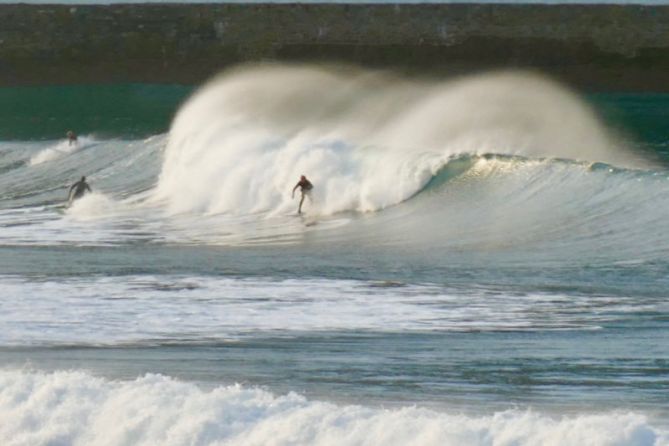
<point>531,207</point>
<point>76,408</point>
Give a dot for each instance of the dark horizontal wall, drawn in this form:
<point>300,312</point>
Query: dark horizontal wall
<point>596,47</point>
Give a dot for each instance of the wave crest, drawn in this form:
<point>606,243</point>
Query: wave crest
<point>76,408</point>
<point>368,140</point>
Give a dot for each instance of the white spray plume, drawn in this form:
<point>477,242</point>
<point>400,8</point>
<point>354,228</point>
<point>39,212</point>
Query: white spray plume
<point>366,139</point>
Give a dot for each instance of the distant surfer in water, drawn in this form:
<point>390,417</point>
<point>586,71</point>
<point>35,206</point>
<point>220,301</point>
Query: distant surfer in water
<point>78,189</point>
<point>71,137</point>
<point>305,188</point>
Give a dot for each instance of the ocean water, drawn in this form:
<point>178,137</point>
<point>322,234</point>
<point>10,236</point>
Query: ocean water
<point>484,261</point>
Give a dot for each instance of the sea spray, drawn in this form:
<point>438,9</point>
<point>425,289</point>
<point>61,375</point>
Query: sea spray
<point>366,139</point>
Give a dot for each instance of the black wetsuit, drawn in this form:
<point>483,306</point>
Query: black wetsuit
<point>80,188</point>
<point>305,187</point>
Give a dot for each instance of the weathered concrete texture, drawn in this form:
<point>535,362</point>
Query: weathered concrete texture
<point>594,47</point>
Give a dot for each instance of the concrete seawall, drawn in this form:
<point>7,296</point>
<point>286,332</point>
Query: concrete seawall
<point>597,47</point>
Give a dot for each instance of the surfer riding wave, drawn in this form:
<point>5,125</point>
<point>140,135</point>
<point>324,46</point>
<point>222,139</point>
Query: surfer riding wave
<point>305,189</point>
<point>79,189</point>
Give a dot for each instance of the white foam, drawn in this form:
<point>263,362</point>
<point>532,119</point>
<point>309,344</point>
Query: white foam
<point>92,206</point>
<point>145,310</point>
<point>367,140</point>
<point>75,408</point>
<point>60,150</point>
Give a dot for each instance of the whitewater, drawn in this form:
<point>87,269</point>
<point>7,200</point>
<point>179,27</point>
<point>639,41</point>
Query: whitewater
<point>483,261</point>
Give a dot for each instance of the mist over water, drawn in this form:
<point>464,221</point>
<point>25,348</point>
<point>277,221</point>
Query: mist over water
<point>368,140</point>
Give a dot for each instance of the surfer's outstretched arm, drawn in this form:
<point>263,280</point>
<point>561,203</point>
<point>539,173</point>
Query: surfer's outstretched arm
<point>70,194</point>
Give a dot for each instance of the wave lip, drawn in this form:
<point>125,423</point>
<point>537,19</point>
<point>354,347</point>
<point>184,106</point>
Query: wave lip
<point>76,408</point>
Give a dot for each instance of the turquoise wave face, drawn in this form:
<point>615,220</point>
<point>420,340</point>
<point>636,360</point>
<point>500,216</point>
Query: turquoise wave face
<point>127,110</point>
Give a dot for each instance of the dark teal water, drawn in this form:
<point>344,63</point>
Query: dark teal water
<point>140,110</point>
<point>126,111</point>
<point>641,118</point>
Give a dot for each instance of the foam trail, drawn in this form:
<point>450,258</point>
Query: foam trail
<point>368,140</point>
<point>60,150</point>
<point>75,408</point>
<point>92,206</point>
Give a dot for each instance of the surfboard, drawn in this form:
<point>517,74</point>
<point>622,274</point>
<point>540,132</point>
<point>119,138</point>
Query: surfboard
<point>60,207</point>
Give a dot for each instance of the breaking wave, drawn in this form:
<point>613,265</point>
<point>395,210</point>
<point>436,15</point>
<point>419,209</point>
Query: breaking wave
<point>367,140</point>
<point>500,161</point>
<point>75,408</point>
